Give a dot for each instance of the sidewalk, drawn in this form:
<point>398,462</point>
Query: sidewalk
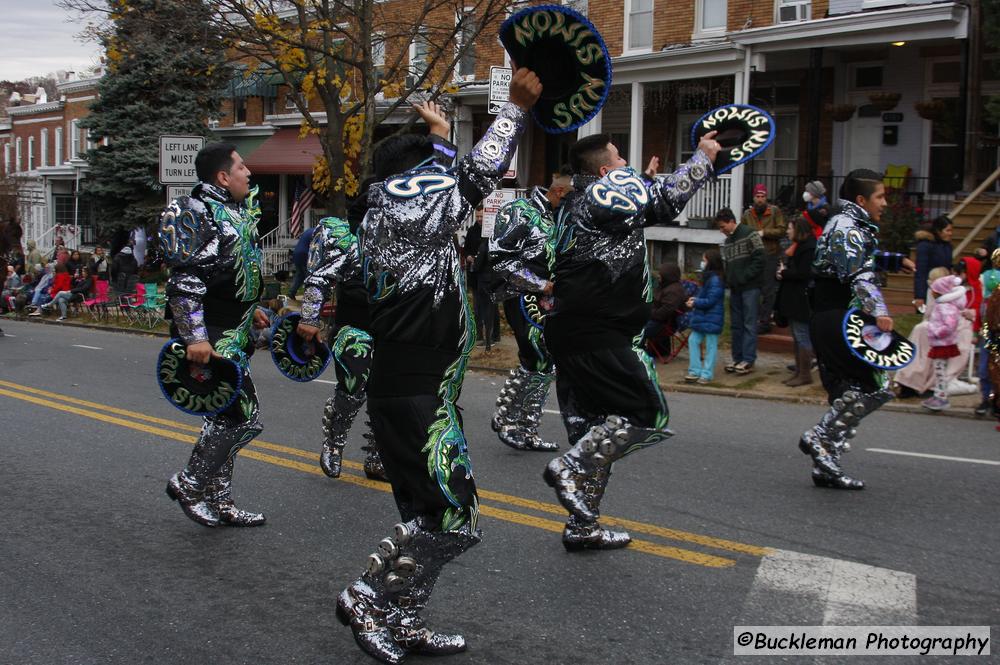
<point>763,383</point>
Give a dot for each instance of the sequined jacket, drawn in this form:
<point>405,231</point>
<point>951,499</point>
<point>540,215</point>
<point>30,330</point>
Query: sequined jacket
<point>520,245</point>
<point>847,252</point>
<point>210,243</point>
<point>410,264</point>
<point>333,259</point>
<point>602,282</point>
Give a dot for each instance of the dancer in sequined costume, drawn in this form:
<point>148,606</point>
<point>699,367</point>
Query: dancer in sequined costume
<point>519,252</point>
<point>334,258</point>
<point>424,330</point>
<point>847,258</point>
<point>608,392</point>
<point>209,240</point>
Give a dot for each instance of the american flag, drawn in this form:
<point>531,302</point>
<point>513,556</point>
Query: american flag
<point>303,200</point>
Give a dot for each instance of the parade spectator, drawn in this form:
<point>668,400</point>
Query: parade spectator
<point>668,301</point>
<point>100,265</point>
<point>22,298</point>
<point>486,311</point>
<point>794,275</point>
<point>61,281</point>
<point>300,259</point>
<point>41,293</point>
<point>817,210</point>
<point>74,263</point>
<point>743,259</point>
<point>768,220</point>
<point>11,285</point>
<point>707,317</point>
<point>125,271</point>
<point>59,251</point>
<point>80,291</point>
<point>942,335</point>
<point>33,261</point>
<point>933,251</point>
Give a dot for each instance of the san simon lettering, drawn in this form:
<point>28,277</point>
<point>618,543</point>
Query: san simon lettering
<point>901,354</point>
<point>751,117</point>
<point>553,24</point>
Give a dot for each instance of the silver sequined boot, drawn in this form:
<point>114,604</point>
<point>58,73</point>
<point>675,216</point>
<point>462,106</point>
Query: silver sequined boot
<point>373,460</point>
<point>580,535</point>
<point>338,415</point>
<point>519,410</point>
<point>219,494</point>
<point>597,449</point>
<point>826,441</point>
<point>192,500</point>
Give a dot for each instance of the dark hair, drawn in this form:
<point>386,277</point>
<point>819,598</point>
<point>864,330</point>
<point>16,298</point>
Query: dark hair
<point>860,182</point>
<point>61,267</point>
<point>939,225</point>
<point>589,154</point>
<point>400,153</point>
<point>713,261</point>
<point>803,229</point>
<point>725,215</point>
<point>213,158</point>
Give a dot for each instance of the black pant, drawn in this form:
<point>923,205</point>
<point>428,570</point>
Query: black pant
<point>531,349</point>
<point>487,314</point>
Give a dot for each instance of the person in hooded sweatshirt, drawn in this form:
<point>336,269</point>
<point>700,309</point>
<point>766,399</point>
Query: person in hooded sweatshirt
<point>942,335</point>
<point>669,300</point>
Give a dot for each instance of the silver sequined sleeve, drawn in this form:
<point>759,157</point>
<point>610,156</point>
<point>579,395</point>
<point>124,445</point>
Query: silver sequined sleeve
<point>519,239</point>
<point>480,171</point>
<point>626,200</point>
<point>333,257</point>
<point>190,246</point>
<point>854,264</point>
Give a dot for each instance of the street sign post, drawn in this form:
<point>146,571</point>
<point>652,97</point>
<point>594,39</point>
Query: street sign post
<point>492,204</point>
<point>173,191</point>
<point>499,88</point>
<point>177,155</point>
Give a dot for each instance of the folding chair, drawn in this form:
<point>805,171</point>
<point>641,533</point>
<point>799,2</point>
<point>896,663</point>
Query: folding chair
<point>129,303</point>
<point>97,306</point>
<point>154,300</point>
<point>671,340</point>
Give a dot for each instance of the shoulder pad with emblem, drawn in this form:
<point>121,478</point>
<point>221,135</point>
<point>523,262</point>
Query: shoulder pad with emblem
<point>183,228</point>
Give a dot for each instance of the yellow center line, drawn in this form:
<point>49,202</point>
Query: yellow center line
<point>551,508</point>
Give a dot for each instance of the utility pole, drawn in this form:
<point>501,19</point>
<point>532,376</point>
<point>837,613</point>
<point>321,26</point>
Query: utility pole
<point>973,99</point>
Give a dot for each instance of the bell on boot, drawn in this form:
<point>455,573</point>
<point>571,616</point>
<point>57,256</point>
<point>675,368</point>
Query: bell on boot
<point>564,476</point>
<point>534,442</point>
<point>331,459</point>
<point>357,607</point>
<point>579,536</point>
<point>843,482</point>
<point>192,501</point>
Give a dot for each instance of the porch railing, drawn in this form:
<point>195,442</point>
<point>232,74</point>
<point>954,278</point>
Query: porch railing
<point>707,201</point>
<point>276,253</point>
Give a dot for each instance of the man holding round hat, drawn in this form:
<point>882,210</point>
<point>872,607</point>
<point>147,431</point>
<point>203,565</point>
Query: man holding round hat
<point>209,240</point>
<point>609,396</point>
<point>424,331</point>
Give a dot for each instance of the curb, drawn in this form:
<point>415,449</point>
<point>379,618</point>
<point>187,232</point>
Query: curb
<point>669,387</point>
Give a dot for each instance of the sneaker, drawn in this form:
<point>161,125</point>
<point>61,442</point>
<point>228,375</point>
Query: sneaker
<point>702,381</point>
<point>35,313</point>
<point>61,318</point>
<point>935,404</point>
<point>690,378</point>
<point>983,407</point>
<point>743,367</point>
<point>731,366</point>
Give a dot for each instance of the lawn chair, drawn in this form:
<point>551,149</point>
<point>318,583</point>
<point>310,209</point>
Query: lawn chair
<point>129,304</point>
<point>671,340</point>
<point>154,302</point>
<point>97,306</point>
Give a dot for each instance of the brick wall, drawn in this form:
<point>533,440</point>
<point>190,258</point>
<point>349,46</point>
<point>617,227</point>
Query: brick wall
<point>673,22</point>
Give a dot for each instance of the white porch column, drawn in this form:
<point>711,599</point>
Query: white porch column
<point>741,91</point>
<point>591,128</point>
<point>635,129</point>
<point>462,129</point>
<point>282,205</point>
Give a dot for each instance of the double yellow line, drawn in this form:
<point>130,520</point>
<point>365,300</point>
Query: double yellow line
<point>153,425</point>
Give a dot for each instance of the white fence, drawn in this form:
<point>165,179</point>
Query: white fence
<point>708,200</point>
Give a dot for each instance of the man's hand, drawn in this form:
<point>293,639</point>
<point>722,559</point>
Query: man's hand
<point>547,289</point>
<point>909,267</point>
<point>525,88</point>
<point>201,352</point>
<point>918,305</point>
<point>434,116</point>
<point>260,319</point>
<point>307,332</point>
<point>884,323</point>
<point>709,145</point>
<point>653,168</point>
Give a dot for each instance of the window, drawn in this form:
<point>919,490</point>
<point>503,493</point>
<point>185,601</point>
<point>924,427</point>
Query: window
<point>792,11</point>
<point>419,49</point>
<point>6,158</point>
<point>31,153</point>
<point>378,55</point>
<point>74,139</point>
<point>59,146</point>
<point>43,154</point>
<point>945,72</point>
<point>640,24</point>
<point>239,110</point>
<point>466,69</point>
<point>710,16</point>
<point>867,76</point>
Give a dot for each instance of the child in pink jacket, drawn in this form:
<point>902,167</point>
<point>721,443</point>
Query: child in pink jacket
<point>942,335</point>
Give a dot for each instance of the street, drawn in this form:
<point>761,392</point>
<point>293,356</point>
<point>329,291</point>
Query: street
<point>97,565</point>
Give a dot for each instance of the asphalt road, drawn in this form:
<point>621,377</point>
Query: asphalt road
<point>98,566</point>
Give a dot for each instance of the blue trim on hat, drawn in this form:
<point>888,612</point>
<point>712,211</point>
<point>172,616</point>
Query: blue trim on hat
<point>166,395</point>
<point>604,49</point>
<point>732,165</point>
<point>294,317</point>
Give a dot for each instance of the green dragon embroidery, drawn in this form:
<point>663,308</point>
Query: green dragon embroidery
<point>248,255</point>
<point>359,344</point>
<point>446,448</point>
<point>663,414</point>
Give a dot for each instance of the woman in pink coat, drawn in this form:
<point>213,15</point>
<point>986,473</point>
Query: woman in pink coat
<point>942,335</point>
